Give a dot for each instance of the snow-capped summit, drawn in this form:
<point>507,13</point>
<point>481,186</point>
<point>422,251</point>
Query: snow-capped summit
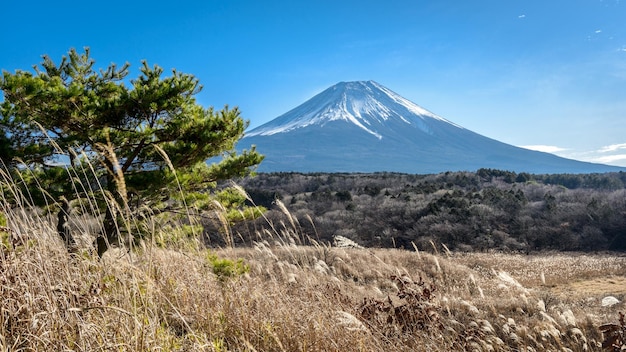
<point>365,127</point>
<point>366,104</point>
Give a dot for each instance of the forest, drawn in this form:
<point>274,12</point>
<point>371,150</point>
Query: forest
<point>465,211</point>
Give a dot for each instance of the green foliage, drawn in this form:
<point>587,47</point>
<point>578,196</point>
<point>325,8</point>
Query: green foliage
<point>226,269</point>
<point>177,236</point>
<point>146,141</point>
<point>5,236</point>
<point>247,213</point>
<point>230,198</point>
<point>5,241</point>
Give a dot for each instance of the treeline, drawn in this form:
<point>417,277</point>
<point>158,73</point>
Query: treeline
<point>468,211</point>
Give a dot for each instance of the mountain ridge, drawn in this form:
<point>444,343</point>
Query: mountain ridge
<point>363,126</point>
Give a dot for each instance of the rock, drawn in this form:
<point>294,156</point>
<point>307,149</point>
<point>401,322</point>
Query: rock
<point>609,301</point>
<point>344,242</point>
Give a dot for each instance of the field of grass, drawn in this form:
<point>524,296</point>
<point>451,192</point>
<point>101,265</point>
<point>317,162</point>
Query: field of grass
<point>280,296</point>
<point>171,293</point>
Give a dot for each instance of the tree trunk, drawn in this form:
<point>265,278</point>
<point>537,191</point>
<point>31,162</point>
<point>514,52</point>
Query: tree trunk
<point>110,232</point>
<point>62,225</point>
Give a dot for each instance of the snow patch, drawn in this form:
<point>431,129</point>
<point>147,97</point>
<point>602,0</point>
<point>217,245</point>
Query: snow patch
<point>367,105</point>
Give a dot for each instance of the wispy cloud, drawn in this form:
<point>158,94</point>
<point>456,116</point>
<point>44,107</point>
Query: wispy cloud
<point>521,16</point>
<point>611,158</point>
<point>544,148</point>
<point>612,148</point>
<point>614,154</point>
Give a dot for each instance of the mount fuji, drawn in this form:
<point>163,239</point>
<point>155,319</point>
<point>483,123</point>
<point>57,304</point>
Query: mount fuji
<point>365,127</point>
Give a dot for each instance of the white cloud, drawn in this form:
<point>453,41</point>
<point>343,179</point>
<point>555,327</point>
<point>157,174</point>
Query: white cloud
<point>613,154</point>
<point>521,16</point>
<point>610,158</point>
<point>598,31</point>
<point>544,148</point>
<point>612,148</point>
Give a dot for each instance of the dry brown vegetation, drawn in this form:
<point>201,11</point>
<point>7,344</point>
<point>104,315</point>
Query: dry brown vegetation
<point>297,298</point>
<point>281,295</point>
<point>467,211</point>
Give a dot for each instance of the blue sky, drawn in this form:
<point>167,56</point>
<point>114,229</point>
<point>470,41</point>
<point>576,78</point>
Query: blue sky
<point>529,73</point>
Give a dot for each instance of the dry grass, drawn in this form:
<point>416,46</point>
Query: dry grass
<point>294,297</point>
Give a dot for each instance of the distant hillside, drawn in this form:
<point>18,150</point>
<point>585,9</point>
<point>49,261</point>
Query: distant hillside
<point>486,210</point>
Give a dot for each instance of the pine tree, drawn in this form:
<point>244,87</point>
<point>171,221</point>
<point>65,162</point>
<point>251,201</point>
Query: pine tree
<point>145,138</point>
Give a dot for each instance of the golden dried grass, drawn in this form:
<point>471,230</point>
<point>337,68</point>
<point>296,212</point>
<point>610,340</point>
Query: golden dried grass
<point>294,297</point>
